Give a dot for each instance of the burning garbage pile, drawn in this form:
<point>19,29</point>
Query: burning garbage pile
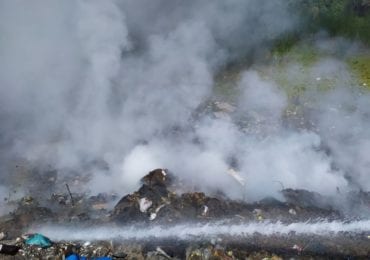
<point>156,201</point>
<point>158,222</point>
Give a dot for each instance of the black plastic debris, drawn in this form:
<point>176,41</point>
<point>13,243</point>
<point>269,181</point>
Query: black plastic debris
<point>9,249</point>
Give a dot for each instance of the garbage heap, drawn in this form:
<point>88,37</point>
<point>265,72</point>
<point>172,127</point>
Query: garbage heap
<point>159,202</point>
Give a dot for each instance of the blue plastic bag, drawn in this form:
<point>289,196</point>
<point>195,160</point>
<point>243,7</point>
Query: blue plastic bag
<point>77,257</point>
<point>74,257</point>
<point>38,240</point>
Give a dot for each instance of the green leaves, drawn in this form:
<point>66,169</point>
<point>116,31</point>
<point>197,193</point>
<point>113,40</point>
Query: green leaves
<point>349,18</point>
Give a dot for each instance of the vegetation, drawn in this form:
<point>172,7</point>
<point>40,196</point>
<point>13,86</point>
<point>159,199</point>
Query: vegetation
<point>360,65</point>
<point>346,18</point>
<point>349,18</point>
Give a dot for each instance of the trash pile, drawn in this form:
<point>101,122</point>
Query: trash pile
<point>158,202</point>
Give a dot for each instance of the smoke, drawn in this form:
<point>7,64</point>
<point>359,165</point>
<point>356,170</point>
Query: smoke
<point>129,83</point>
<point>343,127</point>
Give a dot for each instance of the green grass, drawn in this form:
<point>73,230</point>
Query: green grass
<point>302,57</point>
<point>291,68</point>
<point>284,44</point>
<point>360,65</point>
<point>303,54</point>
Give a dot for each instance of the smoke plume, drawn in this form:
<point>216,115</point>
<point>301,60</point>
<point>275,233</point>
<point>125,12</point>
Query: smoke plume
<point>130,83</point>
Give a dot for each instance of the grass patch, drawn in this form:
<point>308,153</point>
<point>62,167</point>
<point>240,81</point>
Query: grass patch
<point>360,65</point>
<point>284,44</point>
<point>304,54</point>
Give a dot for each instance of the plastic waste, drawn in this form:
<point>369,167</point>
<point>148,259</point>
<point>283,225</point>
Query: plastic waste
<point>205,210</point>
<point>145,204</point>
<point>258,214</point>
<point>9,249</point>
<point>77,257</point>
<point>153,215</point>
<point>162,252</point>
<point>74,257</point>
<point>38,240</point>
<point>292,212</point>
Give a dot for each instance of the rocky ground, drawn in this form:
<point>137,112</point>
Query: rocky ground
<point>157,204</point>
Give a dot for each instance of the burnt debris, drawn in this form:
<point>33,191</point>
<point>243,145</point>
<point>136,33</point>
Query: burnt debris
<point>159,202</point>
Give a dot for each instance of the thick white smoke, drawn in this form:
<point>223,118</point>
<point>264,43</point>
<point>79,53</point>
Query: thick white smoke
<point>125,81</point>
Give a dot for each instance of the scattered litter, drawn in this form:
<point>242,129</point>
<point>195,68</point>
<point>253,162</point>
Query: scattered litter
<point>292,212</point>
<point>153,215</point>
<point>145,204</point>
<point>27,200</point>
<point>318,78</point>
<point>9,249</point>
<point>120,255</point>
<point>162,252</point>
<point>205,210</point>
<point>159,208</point>
<point>38,240</point>
<point>196,254</point>
<point>258,213</point>
<point>99,206</point>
